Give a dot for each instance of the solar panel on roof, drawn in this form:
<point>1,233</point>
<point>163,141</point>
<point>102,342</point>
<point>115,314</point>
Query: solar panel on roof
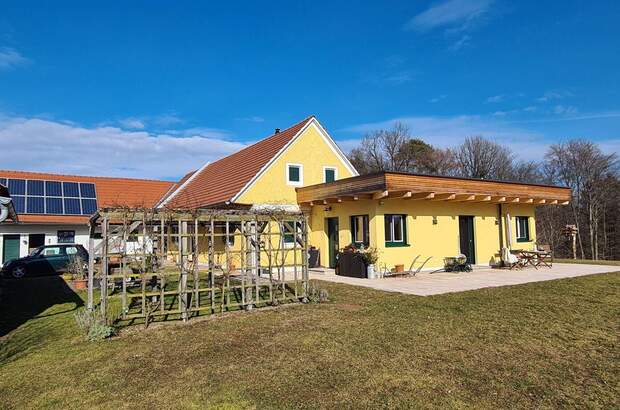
<point>89,206</point>
<point>87,190</point>
<point>34,187</point>
<point>35,205</point>
<point>72,206</point>
<point>70,189</point>
<point>17,187</point>
<point>19,202</point>
<point>34,196</point>
<point>53,188</point>
<point>53,206</point>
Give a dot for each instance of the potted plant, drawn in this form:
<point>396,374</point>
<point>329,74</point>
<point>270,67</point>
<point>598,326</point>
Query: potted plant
<point>371,256</point>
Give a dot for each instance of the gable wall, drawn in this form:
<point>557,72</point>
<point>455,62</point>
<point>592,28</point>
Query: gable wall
<point>313,152</point>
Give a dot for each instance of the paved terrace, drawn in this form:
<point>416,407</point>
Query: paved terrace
<point>426,284</point>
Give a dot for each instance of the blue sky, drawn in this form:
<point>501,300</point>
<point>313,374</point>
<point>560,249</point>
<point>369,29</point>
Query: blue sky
<point>153,89</point>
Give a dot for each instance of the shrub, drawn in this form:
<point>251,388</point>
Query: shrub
<point>93,325</point>
<point>317,294</point>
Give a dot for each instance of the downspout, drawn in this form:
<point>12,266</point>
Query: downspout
<point>501,226</point>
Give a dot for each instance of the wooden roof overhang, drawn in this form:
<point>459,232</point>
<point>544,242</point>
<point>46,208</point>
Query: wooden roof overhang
<point>388,185</point>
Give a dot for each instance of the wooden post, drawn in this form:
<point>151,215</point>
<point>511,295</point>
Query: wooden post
<point>305,266</point>
<point>91,264</point>
<point>104,267</point>
<point>212,264</point>
<point>574,240</point>
<point>195,257</point>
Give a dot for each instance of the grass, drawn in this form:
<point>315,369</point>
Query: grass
<point>548,344</point>
<point>588,261</point>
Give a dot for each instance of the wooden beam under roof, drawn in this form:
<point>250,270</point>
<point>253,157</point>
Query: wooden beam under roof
<point>398,185</point>
<point>422,195</point>
<point>465,197</point>
<point>380,195</point>
<point>444,197</point>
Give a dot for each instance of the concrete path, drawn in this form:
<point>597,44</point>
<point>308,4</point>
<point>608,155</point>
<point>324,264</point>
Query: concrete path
<point>425,284</point>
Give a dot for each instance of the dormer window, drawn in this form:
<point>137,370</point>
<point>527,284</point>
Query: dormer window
<point>294,174</point>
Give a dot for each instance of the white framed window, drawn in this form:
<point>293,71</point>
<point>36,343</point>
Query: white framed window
<point>395,230</point>
<point>330,174</point>
<point>294,174</point>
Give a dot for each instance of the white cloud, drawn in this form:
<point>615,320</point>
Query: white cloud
<point>564,110</point>
<point>437,99</point>
<point>554,95</point>
<point>456,14</point>
<point>132,123</point>
<point>167,120</point>
<point>495,98</point>
<point>10,58</point>
<point>254,118</point>
<point>52,146</point>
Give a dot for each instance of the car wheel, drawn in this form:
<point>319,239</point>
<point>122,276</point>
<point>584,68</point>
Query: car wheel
<point>19,271</point>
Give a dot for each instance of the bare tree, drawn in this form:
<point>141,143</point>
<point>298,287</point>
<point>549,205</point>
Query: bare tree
<point>480,158</point>
<point>583,167</point>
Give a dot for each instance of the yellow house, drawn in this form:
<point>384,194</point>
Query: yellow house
<point>401,215</point>
<point>404,215</point>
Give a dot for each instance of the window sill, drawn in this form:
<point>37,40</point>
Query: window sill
<point>524,240</point>
<point>396,244</point>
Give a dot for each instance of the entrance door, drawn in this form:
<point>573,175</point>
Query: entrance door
<point>466,234</point>
<point>333,241</point>
<point>35,240</point>
<point>10,248</point>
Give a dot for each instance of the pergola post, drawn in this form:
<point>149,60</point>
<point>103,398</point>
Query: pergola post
<point>91,265</point>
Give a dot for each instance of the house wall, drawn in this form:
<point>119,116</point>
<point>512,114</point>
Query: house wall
<point>423,237</point>
<point>312,151</point>
<point>50,231</point>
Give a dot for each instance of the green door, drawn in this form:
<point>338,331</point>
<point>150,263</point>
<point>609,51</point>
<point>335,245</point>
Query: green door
<point>334,242</point>
<point>10,248</point>
<point>466,234</point>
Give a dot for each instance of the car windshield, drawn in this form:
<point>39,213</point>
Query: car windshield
<point>36,251</point>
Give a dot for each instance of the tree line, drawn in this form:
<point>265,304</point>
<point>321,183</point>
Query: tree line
<point>579,164</point>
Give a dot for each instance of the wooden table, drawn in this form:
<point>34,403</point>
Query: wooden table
<point>534,258</point>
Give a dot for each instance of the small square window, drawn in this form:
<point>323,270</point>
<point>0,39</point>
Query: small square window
<point>65,236</point>
<point>294,174</point>
<point>329,174</point>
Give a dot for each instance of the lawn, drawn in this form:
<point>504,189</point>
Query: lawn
<point>547,344</point>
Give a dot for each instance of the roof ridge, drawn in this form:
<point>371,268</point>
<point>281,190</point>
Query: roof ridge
<point>209,165</point>
<point>262,140</point>
<point>85,176</point>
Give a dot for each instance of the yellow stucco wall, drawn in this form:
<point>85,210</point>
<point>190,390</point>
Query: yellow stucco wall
<point>309,150</point>
<point>423,237</point>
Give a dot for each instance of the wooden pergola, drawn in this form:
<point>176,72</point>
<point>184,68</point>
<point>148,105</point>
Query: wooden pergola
<point>391,185</point>
<point>178,264</point>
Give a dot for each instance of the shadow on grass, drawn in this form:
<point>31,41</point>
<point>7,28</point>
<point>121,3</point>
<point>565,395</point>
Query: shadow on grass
<point>26,299</point>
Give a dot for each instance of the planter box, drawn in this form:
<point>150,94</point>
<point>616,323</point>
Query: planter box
<point>351,264</point>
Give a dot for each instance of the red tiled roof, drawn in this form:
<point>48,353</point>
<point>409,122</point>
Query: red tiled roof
<point>110,192</point>
<point>221,180</point>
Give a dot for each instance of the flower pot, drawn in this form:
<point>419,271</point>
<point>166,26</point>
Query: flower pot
<point>370,270</point>
<point>80,283</point>
<point>399,268</point>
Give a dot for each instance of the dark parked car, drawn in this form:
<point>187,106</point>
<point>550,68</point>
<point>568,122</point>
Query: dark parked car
<point>45,260</point>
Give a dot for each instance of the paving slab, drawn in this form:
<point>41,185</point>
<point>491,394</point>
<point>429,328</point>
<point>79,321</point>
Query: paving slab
<point>426,283</point>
